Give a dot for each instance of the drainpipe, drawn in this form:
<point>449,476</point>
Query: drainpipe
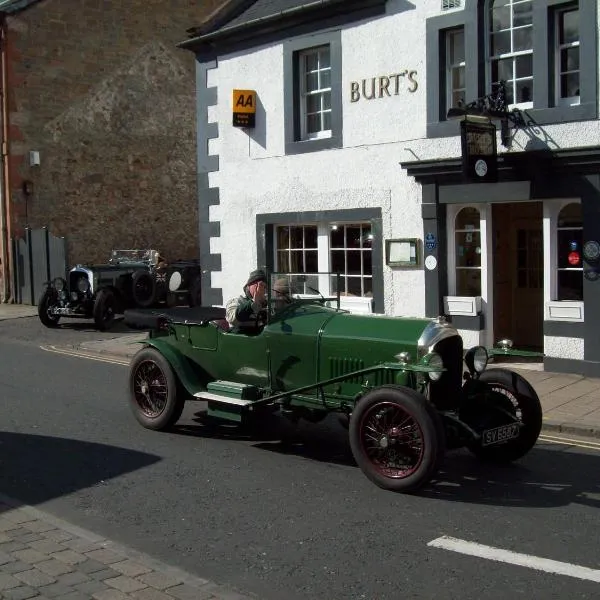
<point>5,212</point>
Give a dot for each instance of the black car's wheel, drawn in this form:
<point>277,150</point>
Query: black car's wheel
<point>397,438</point>
<point>46,302</point>
<point>143,289</point>
<point>153,390</point>
<point>505,398</point>
<point>196,292</point>
<point>105,307</point>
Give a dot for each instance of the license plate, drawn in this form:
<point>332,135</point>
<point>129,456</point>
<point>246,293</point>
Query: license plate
<point>499,435</point>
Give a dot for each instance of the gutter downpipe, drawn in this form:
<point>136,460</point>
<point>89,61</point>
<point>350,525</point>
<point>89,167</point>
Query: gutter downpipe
<point>5,212</point>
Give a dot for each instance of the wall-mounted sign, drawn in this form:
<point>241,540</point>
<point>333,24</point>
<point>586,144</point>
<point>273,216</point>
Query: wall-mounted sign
<point>431,262</point>
<point>244,108</point>
<point>383,85</point>
<point>479,151</point>
<point>402,253</point>
<point>430,241</point>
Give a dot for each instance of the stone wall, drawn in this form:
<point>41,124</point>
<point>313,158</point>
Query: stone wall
<point>100,90</point>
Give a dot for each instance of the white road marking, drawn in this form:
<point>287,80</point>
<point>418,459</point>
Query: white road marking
<point>554,439</point>
<point>77,354</point>
<point>515,558</point>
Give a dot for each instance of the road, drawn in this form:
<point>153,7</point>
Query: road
<point>299,525</point>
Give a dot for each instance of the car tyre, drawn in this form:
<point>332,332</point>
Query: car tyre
<point>514,395</point>
<point>46,301</point>
<point>105,307</point>
<point>154,395</point>
<point>143,290</point>
<point>397,438</point>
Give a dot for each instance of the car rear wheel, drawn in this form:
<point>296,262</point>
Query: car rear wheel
<point>105,307</point>
<point>397,438</point>
<point>46,302</point>
<point>507,398</point>
<point>143,289</point>
<point>153,391</point>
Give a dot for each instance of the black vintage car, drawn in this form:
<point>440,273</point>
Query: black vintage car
<point>131,278</point>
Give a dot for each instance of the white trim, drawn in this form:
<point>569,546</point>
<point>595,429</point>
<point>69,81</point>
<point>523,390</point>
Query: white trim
<point>564,310</point>
<point>462,305</point>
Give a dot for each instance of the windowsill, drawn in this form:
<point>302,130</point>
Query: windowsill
<point>564,310</point>
<point>469,306</point>
<point>324,143</point>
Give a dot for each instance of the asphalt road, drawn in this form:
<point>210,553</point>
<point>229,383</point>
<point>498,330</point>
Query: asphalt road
<point>295,526</point>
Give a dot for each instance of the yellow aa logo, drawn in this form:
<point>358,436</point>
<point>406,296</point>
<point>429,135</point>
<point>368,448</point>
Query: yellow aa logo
<point>244,101</point>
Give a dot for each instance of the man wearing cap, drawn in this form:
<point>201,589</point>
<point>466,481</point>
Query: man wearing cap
<point>242,313</point>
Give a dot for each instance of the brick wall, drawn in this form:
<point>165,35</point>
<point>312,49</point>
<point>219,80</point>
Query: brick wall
<point>100,90</point>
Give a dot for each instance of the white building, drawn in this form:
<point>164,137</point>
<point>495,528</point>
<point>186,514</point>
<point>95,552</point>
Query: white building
<point>352,161</point>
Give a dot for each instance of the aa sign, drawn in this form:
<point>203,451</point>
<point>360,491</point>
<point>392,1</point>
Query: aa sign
<point>244,108</point>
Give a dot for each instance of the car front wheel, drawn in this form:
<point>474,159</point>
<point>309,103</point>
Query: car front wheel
<point>105,307</point>
<point>397,438</point>
<point>153,391</point>
<point>46,302</point>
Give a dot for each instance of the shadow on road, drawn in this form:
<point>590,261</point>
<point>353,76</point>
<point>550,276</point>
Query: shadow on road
<point>548,476</point>
<point>36,468</point>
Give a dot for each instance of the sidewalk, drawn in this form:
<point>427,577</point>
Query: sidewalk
<point>571,403</point>
<point>16,311</point>
<point>42,557</point>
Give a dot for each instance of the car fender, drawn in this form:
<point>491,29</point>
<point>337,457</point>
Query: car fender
<point>179,363</point>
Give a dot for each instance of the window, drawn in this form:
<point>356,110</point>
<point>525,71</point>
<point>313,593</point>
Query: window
<point>511,49</point>
<point>467,236</point>
<point>455,68</point>
<point>569,234</point>
<point>344,248</point>
<point>567,56</point>
<point>315,93</point>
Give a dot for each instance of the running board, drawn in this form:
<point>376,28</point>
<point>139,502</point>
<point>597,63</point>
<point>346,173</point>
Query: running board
<point>228,400</point>
<point>223,399</point>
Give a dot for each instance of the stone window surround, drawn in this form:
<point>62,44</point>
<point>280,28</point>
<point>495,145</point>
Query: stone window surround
<point>291,48</point>
<point>472,18</point>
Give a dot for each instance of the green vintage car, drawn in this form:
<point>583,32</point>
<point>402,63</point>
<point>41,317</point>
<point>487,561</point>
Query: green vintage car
<point>405,386</point>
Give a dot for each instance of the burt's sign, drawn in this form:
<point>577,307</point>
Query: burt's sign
<point>383,85</point>
<point>244,108</point>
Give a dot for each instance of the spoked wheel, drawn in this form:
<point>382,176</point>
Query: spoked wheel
<point>396,438</point>
<point>105,308</point>
<point>153,393</point>
<point>507,406</point>
<point>46,302</point>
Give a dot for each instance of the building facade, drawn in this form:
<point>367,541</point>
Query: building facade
<point>98,126</point>
<point>353,165</point>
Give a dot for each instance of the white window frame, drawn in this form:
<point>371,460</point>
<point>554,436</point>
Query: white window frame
<point>511,55</point>
<point>304,93</point>
<point>556,310</point>
<point>323,253</point>
<point>567,100</point>
<point>451,67</point>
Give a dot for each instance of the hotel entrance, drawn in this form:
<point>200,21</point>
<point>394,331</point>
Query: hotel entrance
<point>518,274</point>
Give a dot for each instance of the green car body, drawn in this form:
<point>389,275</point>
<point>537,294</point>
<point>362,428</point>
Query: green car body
<point>311,358</point>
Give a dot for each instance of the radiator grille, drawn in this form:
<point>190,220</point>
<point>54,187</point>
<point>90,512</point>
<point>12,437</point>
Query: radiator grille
<point>444,393</point>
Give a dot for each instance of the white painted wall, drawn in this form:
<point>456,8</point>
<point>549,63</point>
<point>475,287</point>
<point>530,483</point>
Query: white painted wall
<point>256,177</point>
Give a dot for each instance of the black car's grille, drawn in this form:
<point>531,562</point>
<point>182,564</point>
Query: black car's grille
<point>74,277</point>
<point>444,393</point>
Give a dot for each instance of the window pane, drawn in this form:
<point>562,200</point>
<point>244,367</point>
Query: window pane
<point>353,236</point>
<point>326,96</point>
<point>354,286</point>
<point>457,47</point>
<point>327,121</point>
<point>313,123</point>
<point>523,14</point>
<point>310,237</point>
<point>296,237</point>
<point>524,91</point>
<point>468,249</point>
<point>569,27</point>
<point>570,216</point>
<point>311,62</point>
<point>324,58</point>
<point>368,286</point>
<point>325,80</point>
<point>336,236</point>
<point>367,263</point>
<point>502,69</point>
<point>312,82</point>
<point>524,65</point>
<point>311,258</point>
<point>569,59</point>
<point>458,78</point>
<point>501,43</point>
<point>468,218</point>
<point>468,282</point>
<point>570,285</point>
<point>569,246</point>
<point>458,98</point>
<point>297,261</point>
<point>283,237</point>
<point>283,263</point>
<point>500,17</point>
<point>569,85</point>
<point>338,264</point>
<point>313,103</point>
<point>523,39</point>
<point>354,263</point>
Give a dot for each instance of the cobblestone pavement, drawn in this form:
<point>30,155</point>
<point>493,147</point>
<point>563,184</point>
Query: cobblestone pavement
<point>45,558</point>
